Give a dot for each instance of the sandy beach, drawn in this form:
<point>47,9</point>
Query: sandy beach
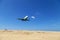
<point>28,35</point>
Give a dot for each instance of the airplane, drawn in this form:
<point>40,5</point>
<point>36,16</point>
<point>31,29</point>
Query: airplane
<point>24,19</point>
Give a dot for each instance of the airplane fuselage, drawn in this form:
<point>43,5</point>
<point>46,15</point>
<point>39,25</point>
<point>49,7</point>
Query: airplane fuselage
<point>23,19</point>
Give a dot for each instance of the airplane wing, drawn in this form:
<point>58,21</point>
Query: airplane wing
<point>25,17</point>
<point>33,17</point>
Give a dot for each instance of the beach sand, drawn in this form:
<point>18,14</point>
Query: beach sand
<point>28,35</point>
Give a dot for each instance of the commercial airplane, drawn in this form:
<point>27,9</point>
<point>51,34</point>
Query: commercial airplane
<point>24,19</point>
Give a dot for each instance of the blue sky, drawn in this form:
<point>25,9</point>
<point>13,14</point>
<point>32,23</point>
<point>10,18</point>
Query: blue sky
<point>47,13</point>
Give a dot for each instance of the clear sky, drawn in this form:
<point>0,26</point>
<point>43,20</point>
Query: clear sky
<point>47,13</point>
